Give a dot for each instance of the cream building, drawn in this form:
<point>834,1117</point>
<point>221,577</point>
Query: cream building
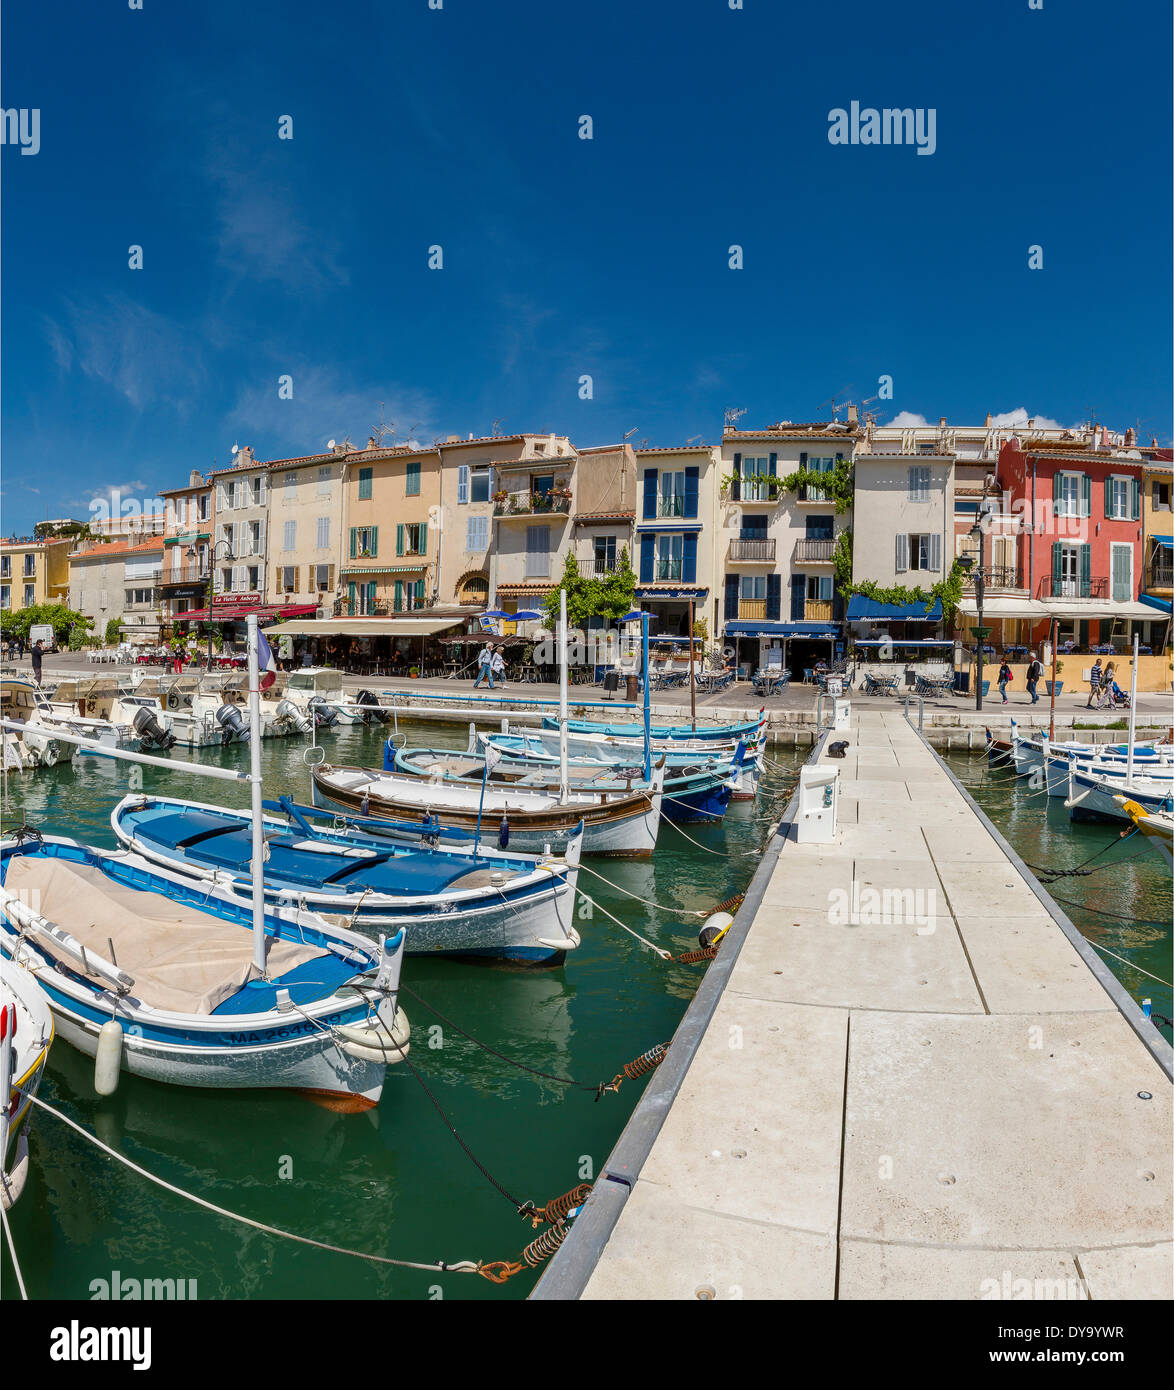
<point>676,559</point>
<point>306,528</point>
<point>240,544</point>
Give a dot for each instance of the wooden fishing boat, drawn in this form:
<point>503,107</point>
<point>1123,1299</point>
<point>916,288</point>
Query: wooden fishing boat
<point>1000,752</point>
<point>26,1034</point>
<point>692,735</point>
<point>113,939</point>
<point>452,901</point>
<point>1095,796</point>
<point>615,821</point>
<point>1156,826</point>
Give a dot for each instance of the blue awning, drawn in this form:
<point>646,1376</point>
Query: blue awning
<point>1161,604</point>
<point>903,642</point>
<point>861,608</point>
<point>763,629</point>
<point>1166,542</point>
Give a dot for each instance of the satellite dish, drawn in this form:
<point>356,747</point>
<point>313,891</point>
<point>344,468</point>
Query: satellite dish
<point>330,443</point>
<point>234,448</point>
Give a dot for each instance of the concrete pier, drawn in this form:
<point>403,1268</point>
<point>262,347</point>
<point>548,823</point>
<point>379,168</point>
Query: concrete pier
<point>960,1103</point>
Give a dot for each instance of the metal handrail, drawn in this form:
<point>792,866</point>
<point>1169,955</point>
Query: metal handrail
<point>920,711</point>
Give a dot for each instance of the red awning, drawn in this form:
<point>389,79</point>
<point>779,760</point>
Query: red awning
<point>227,613</point>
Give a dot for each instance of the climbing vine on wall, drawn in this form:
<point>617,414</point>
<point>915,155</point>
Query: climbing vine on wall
<point>839,486</point>
<point>948,590</point>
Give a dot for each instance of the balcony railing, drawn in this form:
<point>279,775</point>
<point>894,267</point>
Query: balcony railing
<point>751,608</point>
<point>185,574</point>
<point>1159,577</point>
<point>817,610</point>
<point>752,550</point>
<point>668,571</point>
<point>670,506</point>
<point>591,568</point>
<point>1073,588</point>
<point>758,487</point>
<point>531,504</point>
<point>817,551</point>
<point>361,608</point>
<point>997,577</point>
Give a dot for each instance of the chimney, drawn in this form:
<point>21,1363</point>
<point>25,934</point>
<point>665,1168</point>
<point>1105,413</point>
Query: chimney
<point>987,421</point>
<point>853,415</point>
<point>371,442</point>
<point>941,422</point>
<point>1031,423</point>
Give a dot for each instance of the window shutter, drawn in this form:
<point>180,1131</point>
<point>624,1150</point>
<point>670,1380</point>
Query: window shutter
<point>1057,493</point>
<point>399,538</point>
<point>731,596</point>
<point>692,478</point>
<point>935,552</point>
<point>1085,570</point>
<point>423,538</point>
<point>463,483</point>
<point>798,587</point>
<point>647,558</point>
<point>371,596</point>
<point>354,541</point>
<point>350,597</point>
<point>419,593</point>
<point>1108,497</point>
<point>1085,495</point>
<point>774,465</point>
<point>399,595</point>
<point>1135,497</point>
<point>774,597</point>
<point>803,464</point>
<point>902,553</point>
<point>736,485</point>
<point>649,493</point>
<point>1057,568</point>
<point>374,541</point>
<point>689,563</point>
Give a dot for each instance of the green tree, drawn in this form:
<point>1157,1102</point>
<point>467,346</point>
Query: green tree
<point>16,624</point>
<point>113,631</point>
<point>609,598</point>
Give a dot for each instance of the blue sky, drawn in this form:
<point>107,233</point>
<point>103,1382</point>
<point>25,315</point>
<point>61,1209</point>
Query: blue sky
<point>562,256</point>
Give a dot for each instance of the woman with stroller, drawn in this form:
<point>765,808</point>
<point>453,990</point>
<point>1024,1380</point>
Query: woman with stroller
<point>1106,695</point>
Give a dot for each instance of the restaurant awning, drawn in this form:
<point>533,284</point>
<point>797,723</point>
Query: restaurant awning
<point>366,627</point>
<point>862,609</point>
<point>1161,604</point>
<point>904,642</point>
<point>1095,608</point>
<point>1166,542</point>
<point>1004,608</point>
<point>749,628</point>
<point>228,613</point>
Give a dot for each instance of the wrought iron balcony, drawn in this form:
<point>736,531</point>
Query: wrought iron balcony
<point>752,550</point>
<point>1073,588</point>
<point>814,551</point>
<point>996,577</point>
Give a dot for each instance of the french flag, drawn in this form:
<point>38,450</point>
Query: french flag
<point>266,662</point>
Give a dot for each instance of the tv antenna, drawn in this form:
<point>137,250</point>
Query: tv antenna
<point>630,433</point>
<point>383,429</point>
<point>496,429</point>
<point>694,439</point>
<point>831,400</point>
<point>732,416</point>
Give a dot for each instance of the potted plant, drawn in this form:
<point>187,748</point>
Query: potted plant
<point>1059,684</point>
<point>413,672</point>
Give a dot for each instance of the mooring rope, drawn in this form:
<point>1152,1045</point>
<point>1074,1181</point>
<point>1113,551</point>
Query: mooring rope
<point>1117,839</point>
<point>1117,916</point>
<point>680,911</point>
<point>12,1251</point>
<point>440,1266</point>
<point>1125,961</point>
<point>664,955</point>
<point>721,853</point>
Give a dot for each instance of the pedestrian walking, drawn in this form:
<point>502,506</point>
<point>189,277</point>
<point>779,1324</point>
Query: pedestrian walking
<point>497,666</point>
<point>1034,672</point>
<point>37,656</point>
<point>1094,684</point>
<point>1005,678</point>
<point>484,667</point>
<point>1107,680</point>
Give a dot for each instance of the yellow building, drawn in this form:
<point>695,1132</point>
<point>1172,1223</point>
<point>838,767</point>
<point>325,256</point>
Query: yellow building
<point>1157,520</point>
<point>34,571</point>
<point>390,538</point>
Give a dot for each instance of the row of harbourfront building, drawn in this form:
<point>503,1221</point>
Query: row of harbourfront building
<point>1077,527</point>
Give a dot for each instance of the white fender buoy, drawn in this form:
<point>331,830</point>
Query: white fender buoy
<point>108,1058</point>
<point>714,928</point>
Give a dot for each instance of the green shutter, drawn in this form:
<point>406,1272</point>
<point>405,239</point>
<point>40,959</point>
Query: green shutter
<point>399,595</point>
<point>1057,568</point>
<point>399,540</point>
<point>374,541</point>
<point>419,593</point>
<point>423,538</point>
<point>350,598</point>
<point>1056,493</point>
<point>1108,497</point>
<point>1085,495</point>
<point>1085,570</point>
<point>1135,494</point>
<point>371,597</point>
<point>354,541</point>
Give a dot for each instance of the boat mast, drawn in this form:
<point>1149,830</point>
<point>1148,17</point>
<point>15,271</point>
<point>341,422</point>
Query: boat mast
<point>1053,634</point>
<point>563,774</point>
<point>692,681</point>
<point>258,861</point>
<point>1132,711</point>
<point>647,698</point>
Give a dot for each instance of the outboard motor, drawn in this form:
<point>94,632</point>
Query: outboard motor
<point>376,715</point>
<point>324,714</point>
<point>232,724</point>
<point>151,733</point>
<point>286,709</point>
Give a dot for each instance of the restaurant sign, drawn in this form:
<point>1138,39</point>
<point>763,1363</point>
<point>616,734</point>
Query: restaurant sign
<point>235,600</point>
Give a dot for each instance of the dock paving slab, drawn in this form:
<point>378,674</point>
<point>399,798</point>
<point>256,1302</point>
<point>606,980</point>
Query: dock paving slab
<point>937,1115</point>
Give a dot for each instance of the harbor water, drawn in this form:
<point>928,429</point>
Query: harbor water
<point>1121,897</point>
<point>392,1181</point>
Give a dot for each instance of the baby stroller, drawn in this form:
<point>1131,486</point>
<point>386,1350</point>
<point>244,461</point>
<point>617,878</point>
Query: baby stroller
<point>1114,697</point>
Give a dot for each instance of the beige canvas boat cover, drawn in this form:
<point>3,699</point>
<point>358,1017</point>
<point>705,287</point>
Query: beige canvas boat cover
<point>182,960</point>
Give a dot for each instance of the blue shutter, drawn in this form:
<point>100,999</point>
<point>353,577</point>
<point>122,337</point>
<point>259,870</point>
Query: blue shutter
<point>1085,570</point>
<point>803,464</point>
<point>462,484</point>
<point>689,563</point>
<point>649,497</point>
<point>692,475</point>
<point>736,485</point>
<point>774,597</point>
<point>647,558</point>
<point>798,595</point>
<point>731,597</point>
<point>374,541</point>
<point>774,465</point>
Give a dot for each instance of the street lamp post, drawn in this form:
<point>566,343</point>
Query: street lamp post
<point>191,554</point>
<point>978,534</point>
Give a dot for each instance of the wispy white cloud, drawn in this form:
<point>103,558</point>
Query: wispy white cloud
<point>324,407</point>
<point>1019,416</point>
<point>136,352</point>
<point>908,418</point>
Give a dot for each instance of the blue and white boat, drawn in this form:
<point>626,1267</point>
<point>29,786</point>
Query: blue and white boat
<point>1094,796</point>
<point>698,786</point>
<point>689,735</point>
<point>452,900</point>
<point>1029,753</point>
<point>1059,766</point>
<point>112,940</point>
